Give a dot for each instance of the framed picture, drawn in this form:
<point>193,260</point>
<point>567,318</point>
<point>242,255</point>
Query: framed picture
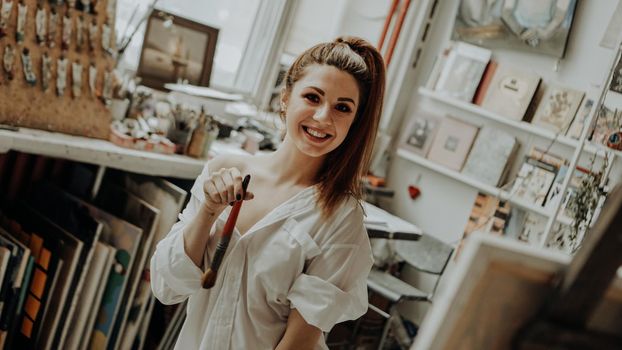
<point>452,143</point>
<point>420,133</point>
<point>538,26</point>
<point>175,49</point>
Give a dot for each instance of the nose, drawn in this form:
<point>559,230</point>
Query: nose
<point>322,114</point>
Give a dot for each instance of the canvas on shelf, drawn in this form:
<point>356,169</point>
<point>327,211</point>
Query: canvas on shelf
<point>420,133</point>
<point>452,143</point>
<point>489,159</point>
<point>576,127</point>
<point>510,92</point>
<point>463,71</point>
<point>557,108</point>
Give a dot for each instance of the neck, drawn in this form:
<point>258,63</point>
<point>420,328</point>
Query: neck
<point>288,165</point>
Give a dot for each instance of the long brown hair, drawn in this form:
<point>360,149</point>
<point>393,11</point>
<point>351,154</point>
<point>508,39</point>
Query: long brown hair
<point>343,167</point>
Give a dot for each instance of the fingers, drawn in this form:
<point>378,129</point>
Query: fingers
<point>225,187</point>
<point>236,179</point>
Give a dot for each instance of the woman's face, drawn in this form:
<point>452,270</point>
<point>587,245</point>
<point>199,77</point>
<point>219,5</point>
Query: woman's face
<point>320,109</point>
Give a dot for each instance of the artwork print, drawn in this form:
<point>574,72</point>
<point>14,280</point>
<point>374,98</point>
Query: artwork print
<point>538,26</point>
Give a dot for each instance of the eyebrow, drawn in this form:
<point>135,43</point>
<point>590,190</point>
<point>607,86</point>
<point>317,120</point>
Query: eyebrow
<point>321,92</point>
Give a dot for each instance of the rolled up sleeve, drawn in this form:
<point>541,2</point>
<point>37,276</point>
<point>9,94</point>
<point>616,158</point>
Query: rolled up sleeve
<point>174,276</point>
<point>333,288</point>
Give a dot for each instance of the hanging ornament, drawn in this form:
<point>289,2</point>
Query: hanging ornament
<point>7,61</point>
<point>40,24</point>
<point>29,73</point>
<point>106,38</point>
<point>61,78</point>
<point>66,38</point>
<point>107,91</point>
<point>5,13</point>
<point>46,71</point>
<point>22,11</point>
<point>93,34</point>
<point>76,79</point>
<point>53,24</point>
<point>80,24</point>
<point>92,78</point>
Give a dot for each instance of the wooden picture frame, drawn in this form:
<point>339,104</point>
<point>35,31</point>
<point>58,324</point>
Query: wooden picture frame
<point>176,48</point>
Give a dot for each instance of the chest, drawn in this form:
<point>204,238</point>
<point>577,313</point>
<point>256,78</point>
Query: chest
<point>265,201</point>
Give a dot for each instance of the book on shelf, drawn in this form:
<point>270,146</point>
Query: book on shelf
<point>463,71</point>
<point>437,68</point>
<point>490,159</point>
<point>557,108</point>
<point>510,92</point>
<point>580,120</point>
<point>452,143</point>
<point>420,133</point>
<point>484,84</point>
<point>533,181</point>
<point>488,214</point>
<point>547,157</point>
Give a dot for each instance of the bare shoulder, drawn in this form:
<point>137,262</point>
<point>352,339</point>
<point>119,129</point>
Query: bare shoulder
<point>225,161</point>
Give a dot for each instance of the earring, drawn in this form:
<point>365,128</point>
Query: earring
<point>282,110</point>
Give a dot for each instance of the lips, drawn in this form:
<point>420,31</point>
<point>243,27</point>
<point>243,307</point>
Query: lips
<point>316,134</point>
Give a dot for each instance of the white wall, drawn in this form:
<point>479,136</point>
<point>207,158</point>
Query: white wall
<point>317,21</point>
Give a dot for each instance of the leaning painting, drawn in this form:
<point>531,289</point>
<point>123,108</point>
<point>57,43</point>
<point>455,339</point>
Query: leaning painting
<point>538,26</point>
<point>176,49</point>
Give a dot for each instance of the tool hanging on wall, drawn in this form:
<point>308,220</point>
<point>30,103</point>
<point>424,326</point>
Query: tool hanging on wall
<point>397,28</point>
<point>209,277</point>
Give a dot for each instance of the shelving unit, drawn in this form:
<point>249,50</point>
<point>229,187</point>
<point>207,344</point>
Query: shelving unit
<point>485,188</point>
<point>577,146</point>
<point>107,154</point>
<point>520,125</point>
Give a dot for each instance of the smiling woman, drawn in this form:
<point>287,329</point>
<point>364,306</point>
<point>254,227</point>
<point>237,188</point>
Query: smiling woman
<point>299,254</point>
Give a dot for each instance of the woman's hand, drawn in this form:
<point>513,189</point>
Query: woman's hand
<point>223,188</point>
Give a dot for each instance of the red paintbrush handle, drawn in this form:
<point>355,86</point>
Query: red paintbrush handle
<point>209,277</point>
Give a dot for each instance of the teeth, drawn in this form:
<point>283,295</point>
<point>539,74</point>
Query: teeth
<point>316,133</point>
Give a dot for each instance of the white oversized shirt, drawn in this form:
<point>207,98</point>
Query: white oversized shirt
<point>292,258</point>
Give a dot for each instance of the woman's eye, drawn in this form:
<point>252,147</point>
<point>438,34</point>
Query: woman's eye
<point>343,108</point>
<point>312,97</point>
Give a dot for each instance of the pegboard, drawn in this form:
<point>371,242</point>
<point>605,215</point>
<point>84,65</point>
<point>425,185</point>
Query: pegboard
<point>22,104</point>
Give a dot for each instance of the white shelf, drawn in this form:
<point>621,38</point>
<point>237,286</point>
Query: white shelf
<point>492,190</point>
<point>100,152</point>
<point>524,126</point>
